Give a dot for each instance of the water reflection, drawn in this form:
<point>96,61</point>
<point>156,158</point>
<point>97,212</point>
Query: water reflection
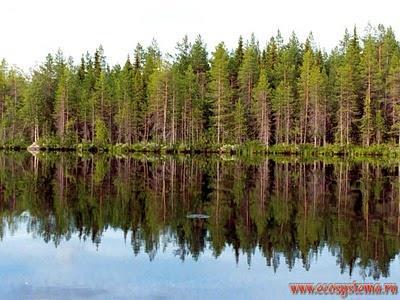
<point>286,208</point>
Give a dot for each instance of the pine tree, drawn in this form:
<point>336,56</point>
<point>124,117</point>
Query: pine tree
<point>283,105</point>
<point>62,107</point>
<point>99,99</point>
<point>152,63</point>
<point>348,84</point>
<point>182,92</point>
<point>317,106</point>
<point>287,123</point>
<point>139,104</point>
<point>367,121</point>
<point>262,109</point>
<point>379,126</point>
<point>369,65</point>
<point>159,98</point>
<point>239,122</point>
<point>183,57</point>
<point>394,96</point>
<point>305,94</point>
<point>11,119</point>
<point>270,62</point>
<point>39,100</point>
<point>220,93</point>
<point>3,93</point>
<point>248,76</point>
<point>191,116</point>
<point>85,82</point>
<point>125,112</point>
<point>235,63</point>
<point>387,47</point>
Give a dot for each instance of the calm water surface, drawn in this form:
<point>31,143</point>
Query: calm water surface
<point>99,227</point>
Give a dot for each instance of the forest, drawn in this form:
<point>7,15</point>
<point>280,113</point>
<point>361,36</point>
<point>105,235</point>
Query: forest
<point>274,93</point>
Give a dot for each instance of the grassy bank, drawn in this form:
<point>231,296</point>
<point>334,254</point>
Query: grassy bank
<point>249,148</point>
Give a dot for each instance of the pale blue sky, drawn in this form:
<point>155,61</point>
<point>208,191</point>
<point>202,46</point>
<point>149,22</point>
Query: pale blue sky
<point>30,29</point>
<point>79,270</point>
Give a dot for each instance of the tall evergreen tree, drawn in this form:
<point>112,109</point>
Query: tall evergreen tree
<point>394,96</point>
<point>139,97</point>
<point>220,92</point>
<point>283,105</point>
<point>348,84</point>
<point>305,94</point>
<point>262,109</point>
<point>125,110</point>
<point>248,76</point>
<point>200,65</point>
<point>62,106</point>
<point>369,67</point>
<point>159,98</point>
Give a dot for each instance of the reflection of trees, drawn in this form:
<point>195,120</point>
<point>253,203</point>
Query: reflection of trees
<point>288,209</point>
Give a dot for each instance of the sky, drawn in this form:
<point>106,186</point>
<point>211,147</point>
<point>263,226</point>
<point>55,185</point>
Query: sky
<point>77,269</point>
<point>31,29</point>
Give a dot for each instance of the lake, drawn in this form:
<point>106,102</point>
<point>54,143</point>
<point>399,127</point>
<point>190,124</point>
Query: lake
<point>103,227</point>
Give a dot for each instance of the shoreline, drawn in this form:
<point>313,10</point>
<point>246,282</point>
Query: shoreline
<point>246,149</point>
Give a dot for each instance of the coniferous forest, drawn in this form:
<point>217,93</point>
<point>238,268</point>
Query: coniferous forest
<point>267,93</point>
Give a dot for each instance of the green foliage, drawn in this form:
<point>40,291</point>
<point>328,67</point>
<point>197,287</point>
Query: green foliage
<point>221,92</point>
<point>285,93</point>
<point>101,137</point>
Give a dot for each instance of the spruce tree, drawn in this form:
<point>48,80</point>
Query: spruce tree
<point>139,105</point>
<point>200,65</point>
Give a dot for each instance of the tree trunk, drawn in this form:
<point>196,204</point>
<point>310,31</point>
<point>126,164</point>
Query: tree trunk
<point>165,112</point>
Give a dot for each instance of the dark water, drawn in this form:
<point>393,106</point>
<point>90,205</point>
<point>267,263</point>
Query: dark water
<point>117,228</point>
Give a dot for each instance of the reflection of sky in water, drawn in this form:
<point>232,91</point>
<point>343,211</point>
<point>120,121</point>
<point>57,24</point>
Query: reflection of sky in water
<point>32,269</point>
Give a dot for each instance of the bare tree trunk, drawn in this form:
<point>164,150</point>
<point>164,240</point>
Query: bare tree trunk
<point>164,135</point>
<point>15,109</point>
<point>306,115</point>
<point>93,121</point>
<point>219,111</point>
<point>173,117</point>
<point>341,114</point>
<point>316,119</point>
